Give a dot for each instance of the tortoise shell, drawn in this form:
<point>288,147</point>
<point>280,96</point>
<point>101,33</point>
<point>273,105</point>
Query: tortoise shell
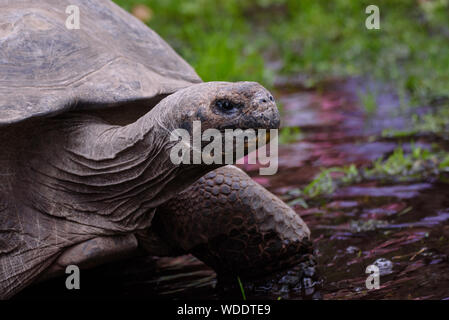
<point>113,59</point>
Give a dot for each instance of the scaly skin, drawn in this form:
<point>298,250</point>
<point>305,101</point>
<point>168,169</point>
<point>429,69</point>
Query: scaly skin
<point>73,178</point>
<point>233,224</point>
<point>226,219</point>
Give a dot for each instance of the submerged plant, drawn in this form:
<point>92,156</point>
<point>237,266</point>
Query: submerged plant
<point>418,164</point>
<point>289,135</point>
<point>242,290</point>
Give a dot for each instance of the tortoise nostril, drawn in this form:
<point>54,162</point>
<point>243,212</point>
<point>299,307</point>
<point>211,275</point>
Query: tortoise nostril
<point>271,98</point>
<point>263,100</point>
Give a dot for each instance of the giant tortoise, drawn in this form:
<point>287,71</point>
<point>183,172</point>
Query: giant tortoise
<point>85,173</point>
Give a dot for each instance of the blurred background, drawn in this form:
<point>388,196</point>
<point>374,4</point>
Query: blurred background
<point>364,144</point>
<point>259,39</point>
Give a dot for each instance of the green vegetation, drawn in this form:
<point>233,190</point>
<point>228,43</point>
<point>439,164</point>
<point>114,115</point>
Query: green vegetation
<point>320,39</point>
<point>434,122</point>
<point>235,40</point>
<point>368,101</point>
<point>417,165</point>
<point>213,36</point>
<point>289,135</point>
<point>242,290</point>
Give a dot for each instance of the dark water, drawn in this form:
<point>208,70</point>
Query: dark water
<point>404,227</point>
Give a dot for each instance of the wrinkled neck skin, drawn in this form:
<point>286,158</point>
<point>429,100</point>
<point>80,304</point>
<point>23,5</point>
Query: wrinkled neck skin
<point>75,177</point>
<point>108,177</point>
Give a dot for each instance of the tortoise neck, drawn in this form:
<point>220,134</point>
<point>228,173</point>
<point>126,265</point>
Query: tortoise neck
<point>105,176</point>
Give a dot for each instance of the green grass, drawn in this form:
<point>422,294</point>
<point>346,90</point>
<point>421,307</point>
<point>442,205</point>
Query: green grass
<point>436,122</point>
<point>404,166</point>
<point>368,101</point>
<point>289,135</point>
<point>211,35</point>
<point>417,165</point>
<point>237,39</point>
<point>433,122</point>
<point>330,39</point>
<point>242,290</point>
<point>234,39</point>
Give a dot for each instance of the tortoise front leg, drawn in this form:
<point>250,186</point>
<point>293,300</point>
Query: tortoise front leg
<point>233,224</point>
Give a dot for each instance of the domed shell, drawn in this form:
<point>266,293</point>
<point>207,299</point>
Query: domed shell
<point>112,59</point>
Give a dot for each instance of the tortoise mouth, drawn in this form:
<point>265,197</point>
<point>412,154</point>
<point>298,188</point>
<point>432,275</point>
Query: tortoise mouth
<point>250,144</point>
<point>258,142</point>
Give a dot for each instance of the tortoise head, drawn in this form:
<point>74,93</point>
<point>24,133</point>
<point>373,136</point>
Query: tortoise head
<point>224,105</point>
<point>240,105</point>
<point>219,109</point>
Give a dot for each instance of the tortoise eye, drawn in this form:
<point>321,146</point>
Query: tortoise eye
<point>227,106</point>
